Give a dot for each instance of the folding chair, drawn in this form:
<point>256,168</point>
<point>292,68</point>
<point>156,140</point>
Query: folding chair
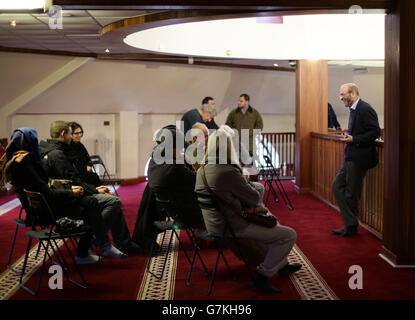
<point>20,222</point>
<point>271,174</point>
<point>39,207</point>
<point>105,177</point>
<point>210,202</point>
<point>169,210</point>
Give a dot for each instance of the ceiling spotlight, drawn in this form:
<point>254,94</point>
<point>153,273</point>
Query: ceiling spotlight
<point>107,50</point>
<point>275,64</point>
<point>228,52</point>
<point>13,23</point>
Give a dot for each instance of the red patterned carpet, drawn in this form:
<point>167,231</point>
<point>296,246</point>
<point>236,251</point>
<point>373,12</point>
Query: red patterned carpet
<point>326,257</point>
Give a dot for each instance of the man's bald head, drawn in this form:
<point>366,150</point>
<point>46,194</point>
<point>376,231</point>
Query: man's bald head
<point>349,93</point>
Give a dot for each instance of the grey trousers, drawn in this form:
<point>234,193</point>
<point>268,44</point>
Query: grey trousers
<point>347,189</point>
<point>113,219</point>
<point>274,243</point>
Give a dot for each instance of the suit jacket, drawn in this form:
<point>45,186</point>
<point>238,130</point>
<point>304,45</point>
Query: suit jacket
<point>365,130</point>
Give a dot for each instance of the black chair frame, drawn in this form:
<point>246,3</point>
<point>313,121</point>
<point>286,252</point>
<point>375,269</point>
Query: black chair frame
<point>221,245</point>
<point>105,177</point>
<point>270,170</point>
<point>169,210</point>
<point>38,203</point>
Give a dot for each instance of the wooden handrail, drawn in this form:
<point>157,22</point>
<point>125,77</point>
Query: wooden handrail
<point>327,158</point>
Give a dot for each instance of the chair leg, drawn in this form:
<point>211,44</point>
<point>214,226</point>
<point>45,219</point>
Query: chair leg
<point>41,269</point>
<point>193,240</point>
<point>85,284</point>
<point>212,279</point>
<point>11,252</point>
<point>165,259</point>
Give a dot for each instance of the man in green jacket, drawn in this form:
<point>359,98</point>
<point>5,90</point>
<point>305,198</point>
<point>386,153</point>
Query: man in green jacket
<point>245,117</point>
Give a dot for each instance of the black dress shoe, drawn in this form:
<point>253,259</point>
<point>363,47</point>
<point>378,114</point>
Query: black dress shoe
<point>349,231</point>
<point>289,269</point>
<point>132,247</point>
<point>262,283</point>
<point>338,232</point>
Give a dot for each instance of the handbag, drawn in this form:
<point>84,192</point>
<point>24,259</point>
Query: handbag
<point>260,218</point>
<point>60,184</point>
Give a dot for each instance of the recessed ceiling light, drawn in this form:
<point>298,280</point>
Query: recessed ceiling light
<point>228,52</point>
<point>13,23</point>
<point>107,50</point>
<point>275,64</point>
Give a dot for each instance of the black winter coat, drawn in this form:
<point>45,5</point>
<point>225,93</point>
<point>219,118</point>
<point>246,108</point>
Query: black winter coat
<point>57,163</point>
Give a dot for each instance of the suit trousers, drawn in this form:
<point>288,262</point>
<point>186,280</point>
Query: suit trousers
<point>347,189</point>
<point>274,244</point>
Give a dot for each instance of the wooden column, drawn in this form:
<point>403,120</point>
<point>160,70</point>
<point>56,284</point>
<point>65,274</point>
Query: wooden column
<point>311,115</point>
<point>399,179</point>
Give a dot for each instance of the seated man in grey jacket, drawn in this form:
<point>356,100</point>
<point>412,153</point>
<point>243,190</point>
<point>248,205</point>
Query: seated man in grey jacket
<point>224,177</point>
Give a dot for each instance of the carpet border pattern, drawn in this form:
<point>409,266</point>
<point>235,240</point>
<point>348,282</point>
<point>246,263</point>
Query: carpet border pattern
<point>152,288</point>
<point>308,282</point>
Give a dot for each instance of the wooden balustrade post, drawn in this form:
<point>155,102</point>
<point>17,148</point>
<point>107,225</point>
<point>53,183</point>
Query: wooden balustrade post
<point>311,115</point>
<point>399,175</point>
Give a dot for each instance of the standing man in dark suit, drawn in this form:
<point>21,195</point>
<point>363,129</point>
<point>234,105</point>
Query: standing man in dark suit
<point>359,155</point>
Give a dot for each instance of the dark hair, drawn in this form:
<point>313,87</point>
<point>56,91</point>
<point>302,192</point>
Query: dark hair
<point>246,97</point>
<point>57,127</point>
<point>206,100</point>
<point>75,125</point>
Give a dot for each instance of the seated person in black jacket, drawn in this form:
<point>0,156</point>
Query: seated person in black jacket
<point>57,163</point>
<point>170,178</point>
<point>21,165</point>
<point>79,156</point>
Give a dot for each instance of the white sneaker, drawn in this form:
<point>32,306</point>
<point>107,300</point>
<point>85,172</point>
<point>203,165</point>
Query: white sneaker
<point>111,251</point>
<point>91,259</point>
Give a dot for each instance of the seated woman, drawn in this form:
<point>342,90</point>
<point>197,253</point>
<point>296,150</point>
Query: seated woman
<point>224,177</point>
<point>79,156</point>
<point>21,166</point>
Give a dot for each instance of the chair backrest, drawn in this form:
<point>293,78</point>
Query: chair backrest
<point>215,203</point>
<point>37,205</point>
<point>97,161</point>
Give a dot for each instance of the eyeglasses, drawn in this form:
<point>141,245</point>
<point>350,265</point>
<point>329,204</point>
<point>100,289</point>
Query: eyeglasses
<point>77,133</point>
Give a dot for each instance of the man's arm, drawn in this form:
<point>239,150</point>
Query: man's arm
<point>259,124</point>
<point>371,125</point>
<point>229,120</point>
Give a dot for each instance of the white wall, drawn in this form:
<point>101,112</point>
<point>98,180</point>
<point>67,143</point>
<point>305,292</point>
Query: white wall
<point>93,125</point>
<point>157,95</point>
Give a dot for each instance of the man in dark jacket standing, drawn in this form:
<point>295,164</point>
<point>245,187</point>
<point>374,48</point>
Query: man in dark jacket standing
<point>57,164</point>
<point>245,117</point>
<point>359,155</point>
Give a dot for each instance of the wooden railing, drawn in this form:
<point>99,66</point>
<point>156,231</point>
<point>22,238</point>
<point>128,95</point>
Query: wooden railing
<point>327,158</point>
<point>280,146</point>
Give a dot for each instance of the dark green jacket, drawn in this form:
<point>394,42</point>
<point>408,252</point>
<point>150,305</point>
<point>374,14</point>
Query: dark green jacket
<point>250,120</point>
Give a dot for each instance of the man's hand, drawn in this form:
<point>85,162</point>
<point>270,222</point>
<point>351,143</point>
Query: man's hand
<point>103,190</point>
<point>339,129</point>
<point>78,191</point>
<point>347,138</point>
<point>89,168</point>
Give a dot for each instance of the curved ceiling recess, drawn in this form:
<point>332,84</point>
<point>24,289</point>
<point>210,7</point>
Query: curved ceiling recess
<point>256,36</point>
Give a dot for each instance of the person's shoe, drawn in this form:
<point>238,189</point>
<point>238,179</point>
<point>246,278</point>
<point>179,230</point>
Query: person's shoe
<point>338,232</point>
<point>90,259</point>
<point>132,247</point>
<point>111,251</point>
<point>262,283</point>
<point>289,269</point>
<point>349,231</point>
